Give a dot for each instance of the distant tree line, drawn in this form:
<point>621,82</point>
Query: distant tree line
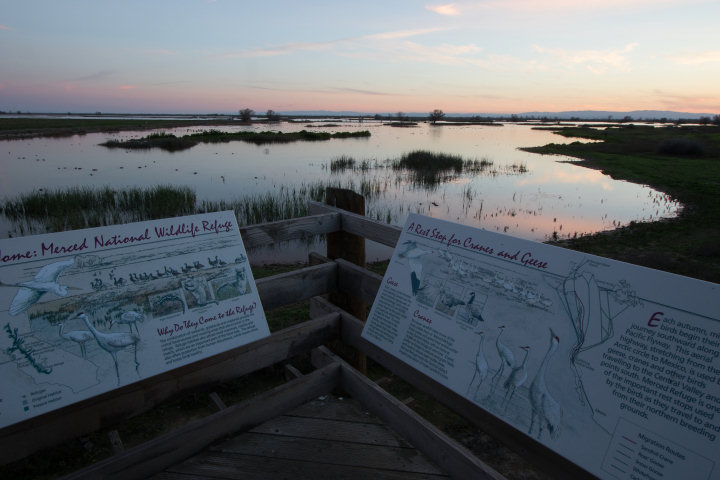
<point>246,115</point>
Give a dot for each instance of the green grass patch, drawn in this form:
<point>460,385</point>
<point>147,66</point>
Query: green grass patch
<point>688,245</point>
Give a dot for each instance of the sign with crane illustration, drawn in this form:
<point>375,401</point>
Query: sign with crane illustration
<point>613,366</point>
<point>87,311</point>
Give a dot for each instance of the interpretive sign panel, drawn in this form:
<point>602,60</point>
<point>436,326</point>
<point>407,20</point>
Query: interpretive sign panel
<point>84,312</point>
<point>613,366</point>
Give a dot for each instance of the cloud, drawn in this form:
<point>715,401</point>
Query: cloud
<point>366,92</point>
<point>161,51</point>
<point>695,58</point>
<point>450,9</point>
<point>93,76</point>
<point>127,87</point>
<point>284,49</point>
<point>702,103</point>
<point>289,48</point>
<point>401,34</point>
<point>558,6</point>
<point>4,27</point>
<point>596,61</point>
<point>440,54</point>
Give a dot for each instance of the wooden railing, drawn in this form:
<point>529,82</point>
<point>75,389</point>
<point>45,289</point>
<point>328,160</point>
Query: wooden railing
<point>327,322</point>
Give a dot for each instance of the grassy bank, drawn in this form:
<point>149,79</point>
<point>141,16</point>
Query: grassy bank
<point>681,161</point>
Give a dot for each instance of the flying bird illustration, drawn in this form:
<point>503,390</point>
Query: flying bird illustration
<point>45,281</point>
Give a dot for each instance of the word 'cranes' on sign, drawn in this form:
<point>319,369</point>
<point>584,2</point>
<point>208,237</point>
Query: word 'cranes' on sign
<point>87,311</point>
<point>613,366</point>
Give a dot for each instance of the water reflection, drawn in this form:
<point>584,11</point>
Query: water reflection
<point>547,198</point>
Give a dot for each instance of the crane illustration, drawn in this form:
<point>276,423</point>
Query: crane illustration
<point>77,336</point>
<point>481,366</point>
<point>112,342</point>
<point>517,377</point>
<point>545,409</point>
<point>506,355</point>
<point>46,280</point>
<point>130,318</point>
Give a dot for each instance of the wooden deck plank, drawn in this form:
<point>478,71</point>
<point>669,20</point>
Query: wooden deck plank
<point>328,452</point>
<point>305,444</point>
<point>166,450</point>
<point>334,408</point>
<point>217,465</point>
<point>332,430</point>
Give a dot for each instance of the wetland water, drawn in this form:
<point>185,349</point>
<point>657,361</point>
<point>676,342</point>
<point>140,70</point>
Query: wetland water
<point>522,194</point>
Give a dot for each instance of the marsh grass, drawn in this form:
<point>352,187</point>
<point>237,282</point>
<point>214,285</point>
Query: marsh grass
<point>83,207</point>
<point>172,143</point>
<point>163,141</point>
<point>44,211</point>
<point>76,208</point>
<point>429,169</point>
<point>344,163</point>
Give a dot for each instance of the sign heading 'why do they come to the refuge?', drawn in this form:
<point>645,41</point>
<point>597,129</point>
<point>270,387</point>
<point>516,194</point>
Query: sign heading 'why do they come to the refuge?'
<point>613,366</point>
<point>87,311</point>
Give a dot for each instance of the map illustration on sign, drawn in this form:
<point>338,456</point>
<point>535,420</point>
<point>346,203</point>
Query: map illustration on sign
<point>87,311</point>
<point>611,365</point>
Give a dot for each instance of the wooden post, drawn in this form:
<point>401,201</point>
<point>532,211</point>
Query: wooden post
<point>351,248</point>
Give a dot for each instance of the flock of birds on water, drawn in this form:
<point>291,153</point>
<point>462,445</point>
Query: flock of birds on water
<point>167,272</point>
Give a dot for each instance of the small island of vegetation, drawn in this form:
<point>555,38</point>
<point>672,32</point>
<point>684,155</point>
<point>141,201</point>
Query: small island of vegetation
<point>172,143</point>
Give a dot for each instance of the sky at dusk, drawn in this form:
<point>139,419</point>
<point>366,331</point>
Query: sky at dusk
<point>485,56</point>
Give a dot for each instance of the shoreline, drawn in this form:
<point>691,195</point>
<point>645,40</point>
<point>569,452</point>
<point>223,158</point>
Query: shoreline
<point>687,245</point>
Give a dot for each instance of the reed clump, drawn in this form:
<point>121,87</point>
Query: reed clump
<point>172,143</point>
<point>163,141</point>
<point>83,207</point>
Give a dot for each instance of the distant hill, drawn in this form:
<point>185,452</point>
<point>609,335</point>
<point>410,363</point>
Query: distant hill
<point>635,114</point>
<point>581,114</point>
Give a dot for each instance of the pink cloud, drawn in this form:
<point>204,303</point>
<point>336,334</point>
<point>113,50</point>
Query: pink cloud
<point>127,87</point>
<point>696,58</point>
<point>401,34</point>
<point>596,61</point>
<point>450,9</point>
<point>4,27</point>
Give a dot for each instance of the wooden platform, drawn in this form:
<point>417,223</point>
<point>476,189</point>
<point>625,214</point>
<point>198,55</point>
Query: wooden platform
<point>330,437</point>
